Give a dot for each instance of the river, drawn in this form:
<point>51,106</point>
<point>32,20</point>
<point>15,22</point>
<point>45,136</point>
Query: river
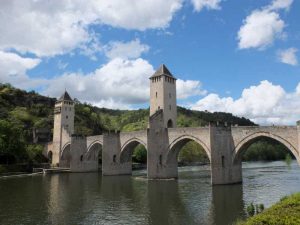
<point>89,198</point>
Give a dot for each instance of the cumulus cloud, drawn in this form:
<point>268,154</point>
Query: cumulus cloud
<point>189,88</point>
<point>119,80</point>
<point>138,14</point>
<point>208,4</point>
<point>265,103</point>
<point>120,83</point>
<point>125,50</point>
<point>280,4</point>
<point>263,26</point>
<point>288,56</point>
<point>260,29</point>
<point>48,28</point>
<point>13,70</point>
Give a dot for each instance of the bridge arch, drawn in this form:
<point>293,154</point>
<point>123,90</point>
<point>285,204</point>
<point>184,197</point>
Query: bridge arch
<point>94,151</point>
<point>243,145</point>
<point>128,147</point>
<point>65,156</point>
<point>170,123</point>
<point>178,143</point>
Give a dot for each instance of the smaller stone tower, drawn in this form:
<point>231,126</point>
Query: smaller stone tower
<point>64,113</point>
<point>163,95</point>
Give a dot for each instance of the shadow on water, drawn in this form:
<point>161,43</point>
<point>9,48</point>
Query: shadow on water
<point>227,204</point>
<point>165,204</point>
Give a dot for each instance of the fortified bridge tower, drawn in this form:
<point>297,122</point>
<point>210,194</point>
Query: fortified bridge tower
<point>163,95</point>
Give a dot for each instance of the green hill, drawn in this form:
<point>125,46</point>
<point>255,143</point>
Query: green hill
<point>26,118</point>
<point>31,110</point>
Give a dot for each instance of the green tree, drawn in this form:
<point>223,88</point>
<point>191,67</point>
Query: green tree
<point>140,154</point>
<point>12,143</point>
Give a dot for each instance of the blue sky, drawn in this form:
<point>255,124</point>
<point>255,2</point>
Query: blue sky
<point>234,56</point>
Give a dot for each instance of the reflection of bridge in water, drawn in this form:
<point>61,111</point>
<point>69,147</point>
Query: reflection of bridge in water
<point>224,145</point>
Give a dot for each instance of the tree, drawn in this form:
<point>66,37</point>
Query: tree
<point>12,143</point>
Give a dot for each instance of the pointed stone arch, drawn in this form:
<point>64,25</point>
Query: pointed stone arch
<point>94,150</point>
<point>242,146</point>
<point>128,147</point>
<point>170,124</point>
<point>65,156</point>
<point>176,146</point>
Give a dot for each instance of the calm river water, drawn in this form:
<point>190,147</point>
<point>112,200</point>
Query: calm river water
<point>89,198</point>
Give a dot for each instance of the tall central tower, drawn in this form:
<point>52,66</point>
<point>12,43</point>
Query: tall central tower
<point>163,95</point>
<point>64,113</point>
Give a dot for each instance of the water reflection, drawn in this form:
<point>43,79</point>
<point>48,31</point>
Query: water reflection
<point>89,198</point>
<point>165,204</point>
<point>228,205</point>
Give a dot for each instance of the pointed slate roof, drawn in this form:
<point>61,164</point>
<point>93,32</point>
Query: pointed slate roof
<point>65,97</point>
<point>162,70</point>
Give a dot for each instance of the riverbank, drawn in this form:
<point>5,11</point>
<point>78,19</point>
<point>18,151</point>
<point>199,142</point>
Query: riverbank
<point>286,211</point>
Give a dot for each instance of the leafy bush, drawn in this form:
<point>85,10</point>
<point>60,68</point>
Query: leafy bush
<point>287,211</point>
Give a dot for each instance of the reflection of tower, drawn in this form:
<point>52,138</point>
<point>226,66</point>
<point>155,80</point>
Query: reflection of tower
<point>63,125</point>
<point>228,205</point>
<point>163,95</point>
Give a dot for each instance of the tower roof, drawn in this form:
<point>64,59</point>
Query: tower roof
<point>65,97</point>
<point>162,70</point>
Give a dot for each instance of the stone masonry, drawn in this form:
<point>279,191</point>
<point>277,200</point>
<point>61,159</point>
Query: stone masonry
<point>224,145</point>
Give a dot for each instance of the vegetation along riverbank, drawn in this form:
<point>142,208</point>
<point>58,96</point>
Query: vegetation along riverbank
<point>285,212</point>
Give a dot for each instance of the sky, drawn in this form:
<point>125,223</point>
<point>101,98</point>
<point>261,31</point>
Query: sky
<point>240,57</point>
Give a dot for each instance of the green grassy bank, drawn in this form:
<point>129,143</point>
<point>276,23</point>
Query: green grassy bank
<point>285,212</point>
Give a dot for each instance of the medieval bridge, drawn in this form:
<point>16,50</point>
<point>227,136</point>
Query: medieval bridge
<point>224,145</point>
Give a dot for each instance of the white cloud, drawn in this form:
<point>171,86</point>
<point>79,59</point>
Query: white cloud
<point>189,88</point>
<point>288,56</point>
<point>48,28</point>
<point>260,29</point>
<point>265,104</point>
<point>209,4</point>
<point>125,50</point>
<point>120,83</point>
<point>138,14</point>
<point>13,70</point>
<point>119,80</point>
<point>280,4</point>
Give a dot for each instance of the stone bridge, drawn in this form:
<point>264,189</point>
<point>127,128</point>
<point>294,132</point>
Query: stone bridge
<point>224,146</point>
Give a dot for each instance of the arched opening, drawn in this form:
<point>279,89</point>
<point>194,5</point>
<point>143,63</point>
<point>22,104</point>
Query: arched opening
<point>94,154</point>
<point>188,151</point>
<point>263,148</point>
<point>65,158</point>
<point>170,123</point>
<point>264,151</point>
<point>134,154</point>
<point>50,155</point>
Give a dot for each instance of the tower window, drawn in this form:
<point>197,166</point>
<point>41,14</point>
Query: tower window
<point>158,107</point>
<point>66,117</point>
<point>156,94</point>
<point>170,95</point>
<point>170,107</point>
